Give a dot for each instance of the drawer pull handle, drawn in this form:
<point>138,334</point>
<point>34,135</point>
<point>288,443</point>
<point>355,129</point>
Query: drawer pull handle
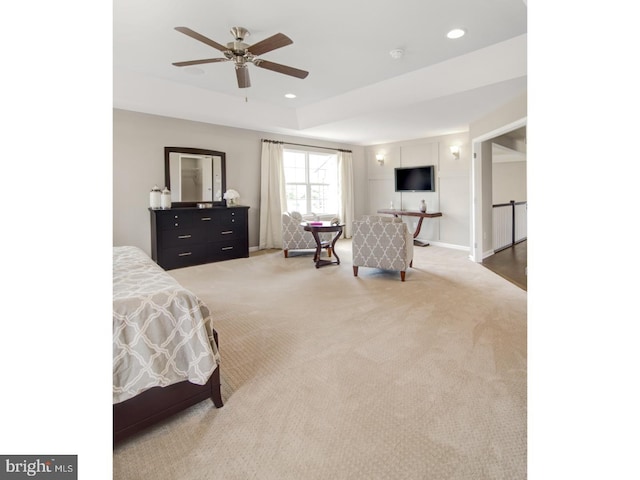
<point>184,236</point>
<point>227,248</point>
<point>204,219</point>
<point>185,254</point>
<point>227,232</point>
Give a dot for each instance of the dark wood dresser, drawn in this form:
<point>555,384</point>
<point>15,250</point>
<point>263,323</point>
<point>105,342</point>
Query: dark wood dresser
<point>181,237</point>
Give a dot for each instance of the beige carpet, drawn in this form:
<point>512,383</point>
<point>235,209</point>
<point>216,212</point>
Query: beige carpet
<point>329,376</point>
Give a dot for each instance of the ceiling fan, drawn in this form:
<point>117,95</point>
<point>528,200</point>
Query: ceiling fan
<point>241,54</point>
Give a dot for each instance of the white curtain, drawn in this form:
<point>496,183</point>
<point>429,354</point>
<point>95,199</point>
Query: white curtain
<point>273,200</point>
<point>345,175</point>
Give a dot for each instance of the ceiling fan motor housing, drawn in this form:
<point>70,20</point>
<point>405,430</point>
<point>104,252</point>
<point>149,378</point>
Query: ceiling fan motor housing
<point>238,48</point>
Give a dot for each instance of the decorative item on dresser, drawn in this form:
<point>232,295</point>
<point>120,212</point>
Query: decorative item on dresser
<point>181,237</point>
<point>165,199</point>
<point>155,197</point>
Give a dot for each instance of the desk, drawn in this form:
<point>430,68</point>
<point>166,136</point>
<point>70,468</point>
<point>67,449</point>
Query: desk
<point>319,227</point>
<point>413,213</point>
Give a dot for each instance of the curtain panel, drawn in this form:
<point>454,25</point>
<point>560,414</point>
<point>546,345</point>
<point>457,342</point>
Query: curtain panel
<point>345,188</point>
<point>273,200</point>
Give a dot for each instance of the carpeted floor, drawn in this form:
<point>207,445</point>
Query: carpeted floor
<point>329,376</point>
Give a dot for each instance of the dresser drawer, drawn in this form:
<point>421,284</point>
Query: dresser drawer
<point>217,251</point>
<point>205,217</point>
<point>226,233</point>
<point>230,216</point>
<point>181,237</point>
<point>173,219</point>
<point>179,257</point>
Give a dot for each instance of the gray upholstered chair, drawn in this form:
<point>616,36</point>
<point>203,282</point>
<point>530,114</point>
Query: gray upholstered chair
<point>382,242</point>
<point>295,238</point>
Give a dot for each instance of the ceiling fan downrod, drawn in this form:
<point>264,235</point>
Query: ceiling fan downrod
<point>240,33</point>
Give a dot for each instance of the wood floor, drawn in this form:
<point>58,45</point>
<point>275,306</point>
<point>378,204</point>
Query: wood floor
<point>510,263</point>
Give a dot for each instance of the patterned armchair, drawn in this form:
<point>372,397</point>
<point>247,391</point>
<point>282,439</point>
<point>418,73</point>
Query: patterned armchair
<point>382,242</point>
<point>295,238</point>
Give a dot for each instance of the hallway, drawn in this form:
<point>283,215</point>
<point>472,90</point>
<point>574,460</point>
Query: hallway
<point>510,263</point>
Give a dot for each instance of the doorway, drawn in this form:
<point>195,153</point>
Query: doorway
<point>482,191</point>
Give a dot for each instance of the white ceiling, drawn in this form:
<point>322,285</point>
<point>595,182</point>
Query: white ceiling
<point>355,93</point>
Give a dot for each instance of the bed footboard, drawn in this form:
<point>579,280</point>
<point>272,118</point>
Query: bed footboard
<point>159,403</point>
<point>156,404</point>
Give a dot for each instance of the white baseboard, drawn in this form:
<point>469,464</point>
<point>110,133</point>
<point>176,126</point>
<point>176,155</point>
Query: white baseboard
<point>487,254</point>
<point>431,242</point>
<point>449,245</point>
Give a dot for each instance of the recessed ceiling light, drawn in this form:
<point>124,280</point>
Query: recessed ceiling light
<point>290,95</point>
<point>397,54</point>
<point>456,33</point>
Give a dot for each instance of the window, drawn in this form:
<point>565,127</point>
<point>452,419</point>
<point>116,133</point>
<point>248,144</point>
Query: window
<point>311,182</point>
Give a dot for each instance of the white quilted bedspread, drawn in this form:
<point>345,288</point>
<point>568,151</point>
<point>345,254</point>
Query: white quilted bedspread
<point>162,333</point>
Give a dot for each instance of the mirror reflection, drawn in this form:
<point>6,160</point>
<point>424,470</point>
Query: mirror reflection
<point>194,175</point>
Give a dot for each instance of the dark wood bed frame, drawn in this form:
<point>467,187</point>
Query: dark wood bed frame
<point>158,403</point>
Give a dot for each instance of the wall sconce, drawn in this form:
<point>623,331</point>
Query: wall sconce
<point>380,159</point>
<point>455,151</point>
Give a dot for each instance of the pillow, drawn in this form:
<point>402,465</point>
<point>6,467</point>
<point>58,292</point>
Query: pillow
<point>296,216</point>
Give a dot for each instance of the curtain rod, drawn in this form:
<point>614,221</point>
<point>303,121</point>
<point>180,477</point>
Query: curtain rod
<point>302,145</point>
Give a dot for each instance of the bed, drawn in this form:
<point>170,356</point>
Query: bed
<point>165,350</point>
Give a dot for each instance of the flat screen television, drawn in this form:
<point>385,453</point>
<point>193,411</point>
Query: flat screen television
<point>415,179</point>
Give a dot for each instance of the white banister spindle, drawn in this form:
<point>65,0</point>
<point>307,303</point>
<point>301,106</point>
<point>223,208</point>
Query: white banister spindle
<point>505,233</point>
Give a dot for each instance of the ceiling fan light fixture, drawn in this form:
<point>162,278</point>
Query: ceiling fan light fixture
<point>456,33</point>
<point>290,95</point>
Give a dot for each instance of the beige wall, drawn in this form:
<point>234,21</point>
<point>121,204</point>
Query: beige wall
<point>138,163</point>
<point>509,182</point>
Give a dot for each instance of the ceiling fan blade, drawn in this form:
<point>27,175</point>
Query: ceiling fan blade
<point>278,40</point>
<point>276,67</point>
<point>201,38</point>
<point>242,74</point>
<point>199,62</point>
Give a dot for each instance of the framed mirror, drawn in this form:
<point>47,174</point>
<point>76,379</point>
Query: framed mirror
<point>194,175</point>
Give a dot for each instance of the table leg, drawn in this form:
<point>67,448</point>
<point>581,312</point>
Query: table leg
<point>333,246</point>
<point>415,234</point>
<point>418,227</point>
<point>316,257</point>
